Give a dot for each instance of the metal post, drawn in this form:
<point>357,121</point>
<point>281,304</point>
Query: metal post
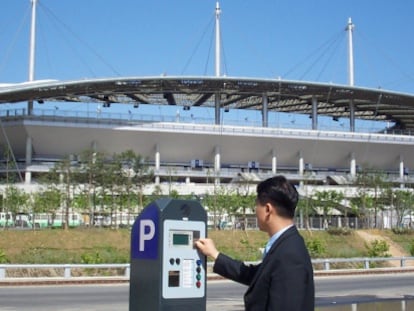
<point>67,271</point>
<point>327,265</point>
<point>217,108</point>
<point>274,162</point>
<point>350,28</point>
<point>314,113</point>
<point>351,116</point>
<point>402,171</point>
<point>218,47</point>
<point>301,164</point>
<point>366,263</point>
<point>264,110</point>
<point>29,150</point>
<point>301,169</point>
<point>32,52</point>
<point>157,163</point>
<point>217,165</point>
<point>2,273</point>
<point>32,42</point>
<point>352,164</point>
<point>403,305</point>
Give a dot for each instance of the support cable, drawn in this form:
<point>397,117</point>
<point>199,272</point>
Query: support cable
<point>85,64</point>
<point>387,57</point>
<point>91,49</point>
<point>209,52</point>
<point>197,45</point>
<point>14,40</point>
<point>323,53</point>
<point>224,56</point>
<point>11,150</point>
<point>314,52</point>
<point>338,43</point>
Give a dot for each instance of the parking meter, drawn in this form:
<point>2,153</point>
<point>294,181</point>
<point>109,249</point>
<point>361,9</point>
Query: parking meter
<point>167,271</point>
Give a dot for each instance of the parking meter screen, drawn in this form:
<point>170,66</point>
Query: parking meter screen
<point>181,239</point>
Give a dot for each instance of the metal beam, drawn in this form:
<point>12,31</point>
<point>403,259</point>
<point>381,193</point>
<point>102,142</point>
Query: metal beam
<point>202,99</point>
<point>170,98</point>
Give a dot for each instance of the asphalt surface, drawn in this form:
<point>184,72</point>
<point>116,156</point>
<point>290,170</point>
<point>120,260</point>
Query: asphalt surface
<point>221,295</point>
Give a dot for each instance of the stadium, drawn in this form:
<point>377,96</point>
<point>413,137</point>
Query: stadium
<point>200,154</point>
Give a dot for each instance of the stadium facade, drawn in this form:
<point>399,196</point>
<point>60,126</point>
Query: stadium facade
<point>194,153</point>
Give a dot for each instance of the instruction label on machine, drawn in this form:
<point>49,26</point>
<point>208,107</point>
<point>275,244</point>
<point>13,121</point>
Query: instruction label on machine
<point>188,273</point>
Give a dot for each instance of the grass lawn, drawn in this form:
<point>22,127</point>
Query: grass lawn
<point>112,246</point>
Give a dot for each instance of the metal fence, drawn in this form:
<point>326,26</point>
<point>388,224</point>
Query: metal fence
<point>66,271</point>
<point>313,223</point>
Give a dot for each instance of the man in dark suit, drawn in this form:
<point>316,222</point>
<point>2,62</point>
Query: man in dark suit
<point>284,279</point>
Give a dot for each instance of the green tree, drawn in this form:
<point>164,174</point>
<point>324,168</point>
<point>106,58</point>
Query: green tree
<point>15,200</point>
<point>372,184</point>
<point>305,207</point>
<point>210,203</point>
<point>92,167</point>
<point>401,201</point>
<point>174,194</point>
<point>362,204</point>
<point>47,201</point>
<point>70,173</point>
<point>244,204</point>
<point>245,197</point>
<point>127,159</point>
<point>157,193</point>
<point>327,200</point>
<point>111,181</point>
<point>224,201</point>
<point>143,176</point>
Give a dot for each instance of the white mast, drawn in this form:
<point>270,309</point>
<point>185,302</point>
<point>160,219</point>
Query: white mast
<point>32,42</point>
<point>218,47</point>
<point>350,28</point>
<point>32,50</point>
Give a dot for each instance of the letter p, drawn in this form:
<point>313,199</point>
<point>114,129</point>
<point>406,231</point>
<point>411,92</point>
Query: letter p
<point>144,233</point>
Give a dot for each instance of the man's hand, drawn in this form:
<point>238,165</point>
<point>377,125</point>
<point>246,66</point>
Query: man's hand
<point>207,247</point>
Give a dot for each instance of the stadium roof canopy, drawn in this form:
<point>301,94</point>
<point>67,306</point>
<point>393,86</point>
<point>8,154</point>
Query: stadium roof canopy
<point>233,93</point>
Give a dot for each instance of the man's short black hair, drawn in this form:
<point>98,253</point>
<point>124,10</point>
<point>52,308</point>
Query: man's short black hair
<point>280,193</point>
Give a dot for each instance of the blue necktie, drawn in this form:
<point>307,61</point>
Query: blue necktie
<point>264,251</point>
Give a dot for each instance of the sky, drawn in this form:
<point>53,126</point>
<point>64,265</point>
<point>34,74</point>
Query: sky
<point>288,39</point>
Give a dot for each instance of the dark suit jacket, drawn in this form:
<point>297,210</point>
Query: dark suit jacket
<point>283,281</point>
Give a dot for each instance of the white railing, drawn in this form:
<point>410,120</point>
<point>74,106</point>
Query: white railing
<point>66,270</point>
<point>202,125</point>
<point>365,261</point>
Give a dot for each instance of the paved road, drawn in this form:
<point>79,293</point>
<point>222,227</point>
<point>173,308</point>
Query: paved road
<point>222,295</point>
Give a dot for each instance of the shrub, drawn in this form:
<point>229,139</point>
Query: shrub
<point>3,258</point>
<point>316,248</point>
<point>339,231</point>
<point>412,248</point>
<point>378,248</point>
<point>402,231</point>
<point>91,259</point>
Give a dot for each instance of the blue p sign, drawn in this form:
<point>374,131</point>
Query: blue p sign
<point>144,241</point>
